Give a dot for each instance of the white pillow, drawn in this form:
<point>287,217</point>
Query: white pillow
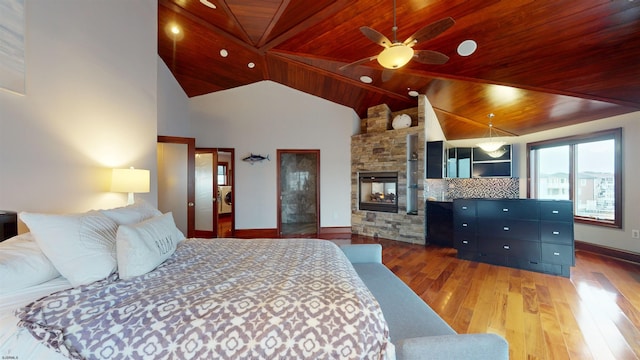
<point>23,264</point>
<point>142,247</point>
<point>81,247</point>
<point>132,214</point>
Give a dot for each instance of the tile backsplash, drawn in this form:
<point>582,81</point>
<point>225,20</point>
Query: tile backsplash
<point>449,189</point>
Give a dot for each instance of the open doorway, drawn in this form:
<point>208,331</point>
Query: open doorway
<point>214,185</point>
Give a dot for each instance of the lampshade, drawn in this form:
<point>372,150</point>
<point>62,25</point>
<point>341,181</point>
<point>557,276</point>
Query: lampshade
<point>395,56</point>
<point>130,181</point>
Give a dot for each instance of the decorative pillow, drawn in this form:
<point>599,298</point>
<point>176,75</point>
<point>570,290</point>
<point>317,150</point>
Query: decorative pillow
<point>23,264</point>
<point>142,247</point>
<point>81,247</point>
<point>132,214</point>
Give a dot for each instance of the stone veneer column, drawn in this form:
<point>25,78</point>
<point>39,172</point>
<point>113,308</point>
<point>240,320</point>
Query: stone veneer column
<point>381,148</point>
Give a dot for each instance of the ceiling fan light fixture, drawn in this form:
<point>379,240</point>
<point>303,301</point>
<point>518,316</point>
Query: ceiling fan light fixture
<point>395,56</point>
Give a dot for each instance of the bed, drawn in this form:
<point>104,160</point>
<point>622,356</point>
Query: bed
<point>197,298</point>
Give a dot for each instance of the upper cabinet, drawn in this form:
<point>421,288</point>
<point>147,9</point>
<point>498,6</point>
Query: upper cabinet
<point>435,159</point>
<point>466,162</point>
<point>459,162</point>
<point>492,165</point>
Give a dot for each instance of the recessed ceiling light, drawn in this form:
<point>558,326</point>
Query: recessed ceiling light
<point>251,65</point>
<point>208,4</point>
<point>174,31</point>
<point>366,79</point>
<point>467,48</point>
<point>224,53</point>
<point>413,93</point>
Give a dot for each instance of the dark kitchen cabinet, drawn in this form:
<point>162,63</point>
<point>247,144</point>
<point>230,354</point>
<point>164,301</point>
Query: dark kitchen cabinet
<point>527,234</point>
<point>459,162</point>
<point>489,165</point>
<point>439,223</point>
<point>435,159</point>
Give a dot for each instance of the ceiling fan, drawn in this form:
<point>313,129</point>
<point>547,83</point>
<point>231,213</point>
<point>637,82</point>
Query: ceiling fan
<point>397,54</point>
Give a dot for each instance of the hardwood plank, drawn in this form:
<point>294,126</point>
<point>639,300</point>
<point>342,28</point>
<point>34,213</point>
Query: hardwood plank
<point>594,314</point>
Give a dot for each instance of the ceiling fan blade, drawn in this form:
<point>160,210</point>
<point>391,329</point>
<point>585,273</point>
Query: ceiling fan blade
<point>387,74</point>
<point>430,31</point>
<point>358,62</point>
<point>375,36</point>
<point>430,57</point>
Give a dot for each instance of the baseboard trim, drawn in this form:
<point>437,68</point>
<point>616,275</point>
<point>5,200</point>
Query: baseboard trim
<point>255,233</point>
<point>333,232</point>
<point>608,251</point>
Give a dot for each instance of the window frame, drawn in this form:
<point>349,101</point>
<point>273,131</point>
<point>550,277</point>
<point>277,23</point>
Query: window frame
<point>572,141</point>
<point>225,165</point>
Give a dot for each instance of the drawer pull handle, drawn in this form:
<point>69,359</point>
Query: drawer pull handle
<point>555,212</point>
<point>505,210</point>
<point>465,241</point>
<point>506,247</point>
<point>556,253</point>
<point>464,208</point>
<point>556,233</point>
<point>465,225</point>
<point>506,228</point>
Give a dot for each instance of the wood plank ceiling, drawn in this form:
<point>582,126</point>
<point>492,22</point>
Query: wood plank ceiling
<point>539,64</point>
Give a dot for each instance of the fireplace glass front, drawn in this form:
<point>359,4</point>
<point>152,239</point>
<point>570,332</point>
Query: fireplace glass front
<point>379,191</point>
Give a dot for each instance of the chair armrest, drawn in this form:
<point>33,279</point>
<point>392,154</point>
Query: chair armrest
<point>363,253</point>
<point>460,346</point>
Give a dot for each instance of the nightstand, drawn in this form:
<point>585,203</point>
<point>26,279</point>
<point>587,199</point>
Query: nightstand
<point>8,224</point>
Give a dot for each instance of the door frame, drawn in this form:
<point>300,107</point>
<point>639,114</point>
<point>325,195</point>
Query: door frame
<point>214,152</point>
<point>231,175</point>
<point>191,177</point>
<point>279,189</point>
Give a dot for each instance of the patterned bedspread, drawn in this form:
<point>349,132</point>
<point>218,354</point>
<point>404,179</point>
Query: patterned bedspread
<point>220,298</point>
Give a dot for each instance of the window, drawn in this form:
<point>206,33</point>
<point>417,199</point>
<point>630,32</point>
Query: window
<point>586,169</point>
<point>222,173</point>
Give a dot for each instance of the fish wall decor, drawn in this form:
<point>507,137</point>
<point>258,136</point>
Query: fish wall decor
<point>253,158</point>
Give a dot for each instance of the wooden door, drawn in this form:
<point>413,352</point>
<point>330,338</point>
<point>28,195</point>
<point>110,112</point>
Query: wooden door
<point>176,180</point>
<point>206,223</point>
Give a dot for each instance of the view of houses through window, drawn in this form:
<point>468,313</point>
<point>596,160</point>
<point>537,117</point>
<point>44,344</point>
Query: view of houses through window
<point>582,169</point>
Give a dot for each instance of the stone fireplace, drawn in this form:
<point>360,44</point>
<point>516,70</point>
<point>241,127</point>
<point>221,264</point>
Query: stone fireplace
<point>380,149</point>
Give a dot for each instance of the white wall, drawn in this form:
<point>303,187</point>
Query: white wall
<point>615,238</point>
<point>263,117</point>
<point>90,105</point>
<point>173,105</point>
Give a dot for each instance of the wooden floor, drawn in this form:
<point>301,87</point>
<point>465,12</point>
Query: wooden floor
<point>595,314</point>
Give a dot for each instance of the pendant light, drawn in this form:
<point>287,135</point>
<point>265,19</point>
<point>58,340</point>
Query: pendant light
<point>492,147</point>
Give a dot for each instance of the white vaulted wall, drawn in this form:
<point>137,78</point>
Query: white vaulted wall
<point>90,105</point>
